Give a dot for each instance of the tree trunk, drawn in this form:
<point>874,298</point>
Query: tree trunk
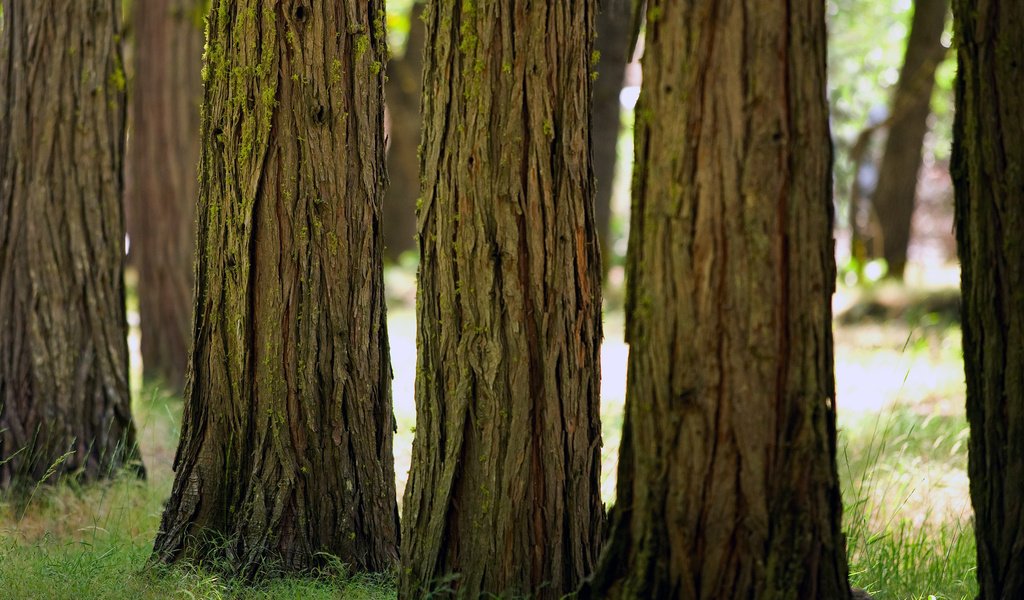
<point>614,26</point>
<point>162,156</point>
<point>988,151</point>
<point>727,484</point>
<point>286,443</point>
<point>911,105</point>
<point>403,97</point>
<point>503,491</point>
<point>64,400</point>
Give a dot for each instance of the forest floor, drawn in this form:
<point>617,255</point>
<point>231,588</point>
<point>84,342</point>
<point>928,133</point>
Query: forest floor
<point>902,460</point>
<point>902,452</point>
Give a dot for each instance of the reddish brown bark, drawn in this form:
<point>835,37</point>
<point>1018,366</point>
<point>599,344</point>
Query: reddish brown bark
<point>727,483</point>
<point>65,409</point>
<point>503,492</point>
<point>286,442</point>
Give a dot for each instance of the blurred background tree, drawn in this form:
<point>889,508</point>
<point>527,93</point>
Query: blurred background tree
<point>900,385</point>
<point>870,44</point>
<point>870,40</point>
<point>909,109</point>
<point>160,175</point>
<point>612,53</point>
<point>402,95</point>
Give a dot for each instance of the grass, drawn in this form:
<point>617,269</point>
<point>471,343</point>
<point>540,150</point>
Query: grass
<point>94,542</point>
<point>115,567</point>
<point>903,449</point>
<point>907,517</point>
<point>902,460</point>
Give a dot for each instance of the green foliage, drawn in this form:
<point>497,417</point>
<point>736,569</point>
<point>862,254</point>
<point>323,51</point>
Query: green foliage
<point>852,272</point>
<point>399,14</point>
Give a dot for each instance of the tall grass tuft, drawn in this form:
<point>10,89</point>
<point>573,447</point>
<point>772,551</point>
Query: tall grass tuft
<point>906,514</point>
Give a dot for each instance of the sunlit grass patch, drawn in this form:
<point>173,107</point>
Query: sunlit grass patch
<point>907,510</point>
<point>903,471</point>
<point>910,562</point>
<point>75,542</point>
<point>113,568</point>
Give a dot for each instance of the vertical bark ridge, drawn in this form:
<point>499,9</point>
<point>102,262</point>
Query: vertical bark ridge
<point>988,151</point>
<point>727,483</point>
<point>503,492</point>
<point>286,450</point>
<point>64,398</point>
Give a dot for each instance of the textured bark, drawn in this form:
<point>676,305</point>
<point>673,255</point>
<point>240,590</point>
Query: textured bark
<point>286,443</point>
<point>63,349</point>
<point>614,28</point>
<point>403,91</point>
<point>988,154</point>
<point>503,489</point>
<point>163,152</point>
<point>727,484</point>
<point>911,105</point>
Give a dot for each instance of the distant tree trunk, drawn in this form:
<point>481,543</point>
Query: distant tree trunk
<point>614,26</point>
<point>911,105</point>
<point>63,349</point>
<point>988,152</point>
<point>403,101</point>
<point>503,489</point>
<point>162,156</point>
<point>286,442</point>
<point>727,484</point>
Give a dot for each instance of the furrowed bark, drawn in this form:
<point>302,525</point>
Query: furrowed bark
<point>65,408</point>
<point>988,154</point>
<point>503,492</point>
<point>727,483</point>
<point>286,444</point>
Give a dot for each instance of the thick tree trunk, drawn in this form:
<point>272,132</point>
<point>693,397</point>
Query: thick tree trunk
<point>911,105</point>
<point>63,349</point>
<point>402,91</point>
<point>988,152</point>
<point>727,484</point>
<point>286,443</point>
<point>503,491</point>
<point>614,26</point>
<point>162,156</point>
